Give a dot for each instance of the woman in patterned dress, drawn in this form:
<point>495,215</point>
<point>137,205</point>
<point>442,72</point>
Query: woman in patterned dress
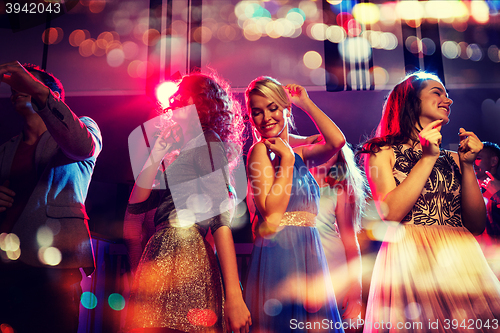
<point>430,274</point>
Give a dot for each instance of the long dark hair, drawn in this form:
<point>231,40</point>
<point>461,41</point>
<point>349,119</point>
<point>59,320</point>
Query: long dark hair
<point>400,117</point>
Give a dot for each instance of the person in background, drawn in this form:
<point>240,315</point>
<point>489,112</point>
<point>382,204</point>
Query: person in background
<point>344,190</point>
<point>488,176</point>
<point>44,176</point>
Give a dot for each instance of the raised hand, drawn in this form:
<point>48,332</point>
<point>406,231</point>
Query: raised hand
<point>15,75</point>
<point>6,196</point>
<point>491,185</point>
<point>430,138</point>
<point>170,139</point>
<point>297,95</point>
<point>469,147</point>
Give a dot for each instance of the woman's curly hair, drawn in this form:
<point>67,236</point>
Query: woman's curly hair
<point>217,109</point>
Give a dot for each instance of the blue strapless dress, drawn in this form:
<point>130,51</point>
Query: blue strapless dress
<point>288,287</point>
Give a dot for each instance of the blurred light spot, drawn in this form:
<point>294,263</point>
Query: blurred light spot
<point>366,13</point>
<point>164,91</point>
<point>87,47</point>
<point>199,203</point>
<point>355,49</point>
<point>288,27</point>
<point>6,328</point>
<point>413,44</point>
<point>44,236</point>
<point>296,16</point>
<point>113,45</point>
<point>274,29</point>
<point>380,76</point>
<point>334,2</point>
<point>388,41</point>
<point>335,34</point>
<point>151,37</point>
<point>9,242</point>
<point>97,6</point>
<point>312,59</point>
<point>354,28</point>
<point>309,8</point>
<point>251,32</point>
<point>428,46</point>
<point>202,317</point>
<point>413,310</point>
<point>226,33</point>
<point>318,31</point>
<point>318,76</point>
<point>49,256</point>
<point>388,14</point>
<point>202,35</point>
<point>272,307</point>
<point>463,50</point>
<point>78,36</point>
<point>182,218</point>
<point>179,28</point>
<point>13,255</point>
<point>139,30</point>
<point>88,300</point>
<point>124,27</point>
<point>460,26</point>
<point>474,52</point>
<point>410,10</point>
<point>450,49</point>
<point>130,50</point>
<point>241,210</point>
<point>116,302</point>
<point>227,206</point>
<point>115,57</point>
<point>132,68</point>
<point>494,53</point>
<point>145,69</point>
<point>480,11</point>
<point>55,35</point>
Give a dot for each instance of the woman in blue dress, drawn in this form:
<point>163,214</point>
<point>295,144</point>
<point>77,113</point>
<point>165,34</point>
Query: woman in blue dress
<point>288,286</point>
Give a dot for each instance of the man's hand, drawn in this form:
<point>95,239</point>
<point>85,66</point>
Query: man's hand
<point>19,79</point>
<point>6,196</point>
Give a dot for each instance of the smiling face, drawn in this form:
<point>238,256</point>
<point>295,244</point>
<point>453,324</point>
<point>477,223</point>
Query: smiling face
<point>268,117</point>
<point>434,103</point>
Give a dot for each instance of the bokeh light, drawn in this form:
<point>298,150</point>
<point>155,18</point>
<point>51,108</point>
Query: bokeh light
<point>312,59</point>
<point>9,242</point>
<point>87,47</point>
<point>164,91</point>
<point>450,49</point>
<point>335,34</point>
<point>380,76</point>
<point>202,317</point>
<point>44,236</point>
<point>116,302</point>
<point>318,31</point>
<point>55,35</point>
<point>50,256</point>
<point>494,53</point>
<point>410,10</point>
<point>480,11</point>
<point>318,76</point>
<point>474,52</point>
<point>88,300</point>
<point>97,6</point>
<point>366,13</point>
<point>273,307</point>
<point>78,36</point>
<point>182,218</point>
<point>413,310</point>
<point>115,57</point>
<point>6,328</point>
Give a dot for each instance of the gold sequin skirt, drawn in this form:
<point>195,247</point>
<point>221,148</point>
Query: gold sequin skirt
<point>178,284</point>
<point>432,279</point>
